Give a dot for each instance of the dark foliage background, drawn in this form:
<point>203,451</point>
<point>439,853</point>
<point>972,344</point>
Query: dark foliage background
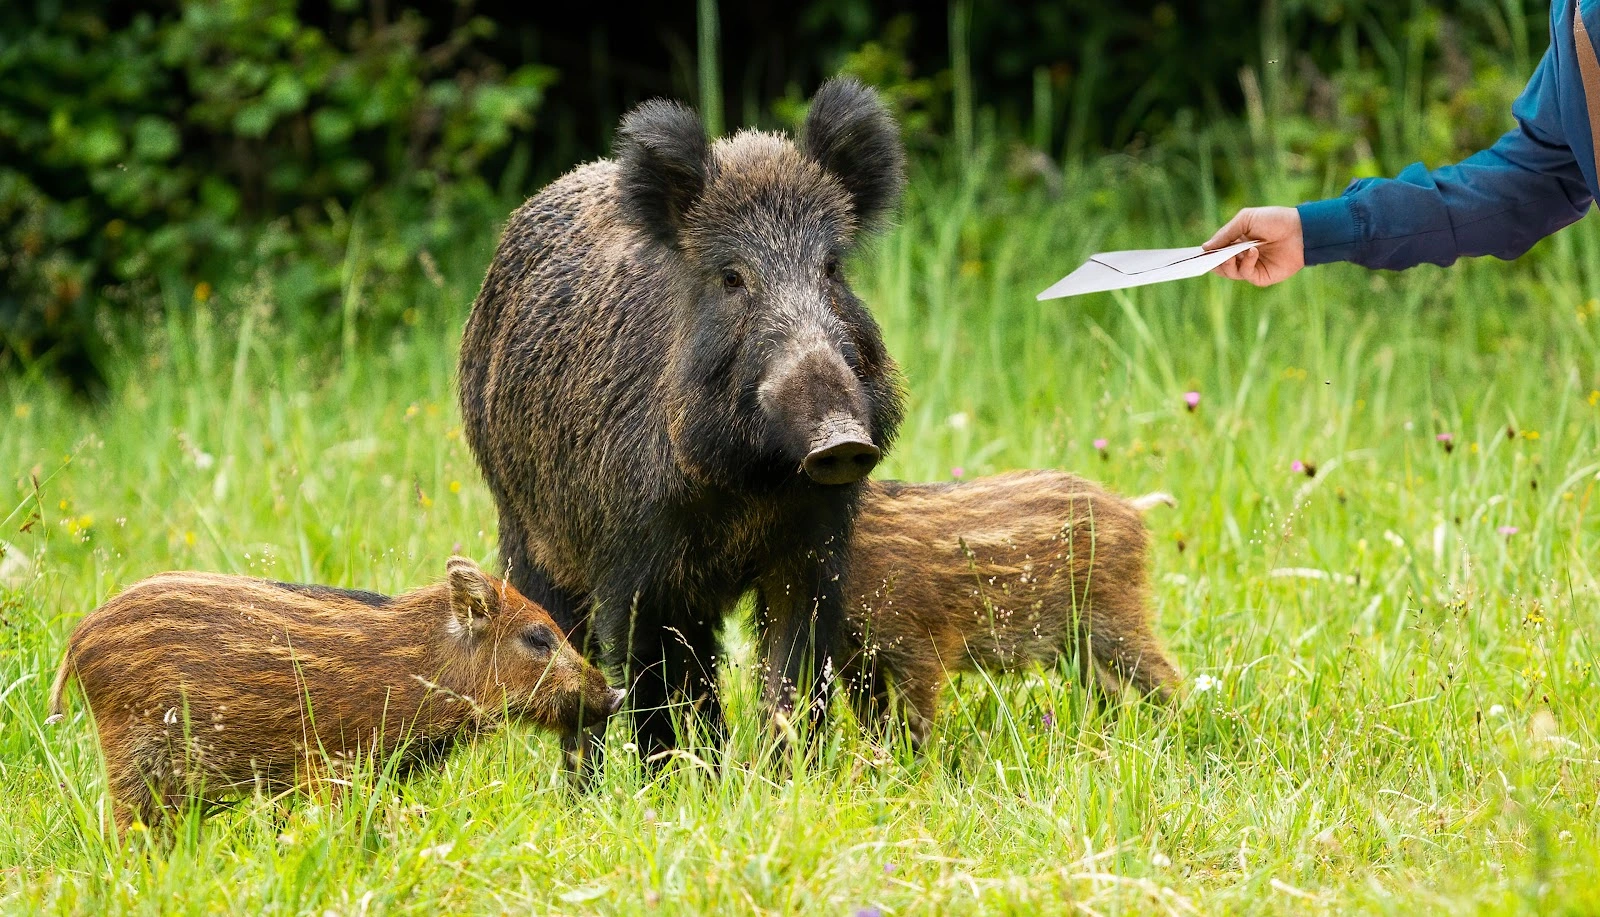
<point>157,155</point>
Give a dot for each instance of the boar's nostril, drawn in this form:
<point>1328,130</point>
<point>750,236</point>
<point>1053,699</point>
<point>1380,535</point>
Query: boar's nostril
<point>841,460</point>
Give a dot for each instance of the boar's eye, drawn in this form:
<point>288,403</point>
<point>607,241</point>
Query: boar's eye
<point>831,268</point>
<point>732,280</point>
<point>538,638</point>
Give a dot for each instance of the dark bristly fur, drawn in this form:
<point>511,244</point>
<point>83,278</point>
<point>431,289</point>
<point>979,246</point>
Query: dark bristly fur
<point>999,573</point>
<point>659,347</point>
<point>206,685</point>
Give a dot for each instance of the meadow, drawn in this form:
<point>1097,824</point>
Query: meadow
<point>1379,582</point>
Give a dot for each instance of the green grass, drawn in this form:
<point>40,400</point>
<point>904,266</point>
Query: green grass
<point>1403,719</point>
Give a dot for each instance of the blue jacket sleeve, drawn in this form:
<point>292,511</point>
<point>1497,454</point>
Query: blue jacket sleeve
<point>1497,202</point>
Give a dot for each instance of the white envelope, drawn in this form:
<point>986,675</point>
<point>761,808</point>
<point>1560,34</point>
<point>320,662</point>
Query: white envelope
<point>1120,270</point>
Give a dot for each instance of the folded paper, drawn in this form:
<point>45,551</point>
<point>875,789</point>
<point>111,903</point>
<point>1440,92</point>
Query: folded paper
<point>1120,270</point>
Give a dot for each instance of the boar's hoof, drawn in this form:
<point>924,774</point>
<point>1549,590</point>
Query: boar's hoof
<point>842,459</point>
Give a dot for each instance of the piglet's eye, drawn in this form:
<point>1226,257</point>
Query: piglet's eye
<point>539,639</point>
<point>732,280</point>
<point>831,268</point>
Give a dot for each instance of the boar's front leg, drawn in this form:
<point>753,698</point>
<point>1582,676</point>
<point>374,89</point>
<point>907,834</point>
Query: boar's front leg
<point>800,611</point>
<point>670,664</point>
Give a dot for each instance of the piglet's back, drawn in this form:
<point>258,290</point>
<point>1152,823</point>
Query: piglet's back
<point>1004,521</point>
<point>990,568</point>
<point>240,654</point>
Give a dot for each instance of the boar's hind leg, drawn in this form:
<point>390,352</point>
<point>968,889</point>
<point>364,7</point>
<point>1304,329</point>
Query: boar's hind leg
<point>671,671</point>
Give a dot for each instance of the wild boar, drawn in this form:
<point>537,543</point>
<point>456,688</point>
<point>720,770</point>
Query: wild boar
<point>674,394</point>
<point>999,573</point>
<point>203,685</point>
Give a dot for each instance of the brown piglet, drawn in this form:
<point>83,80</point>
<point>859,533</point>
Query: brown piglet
<point>205,686</point>
<point>1000,574</point>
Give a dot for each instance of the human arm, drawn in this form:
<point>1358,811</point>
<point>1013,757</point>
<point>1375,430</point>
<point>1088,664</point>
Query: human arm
<point>1496,202</point>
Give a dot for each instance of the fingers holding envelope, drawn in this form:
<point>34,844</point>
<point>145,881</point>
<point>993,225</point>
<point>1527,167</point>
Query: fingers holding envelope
<point>1279,256</point>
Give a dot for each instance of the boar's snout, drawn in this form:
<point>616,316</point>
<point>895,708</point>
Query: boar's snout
<point>819,403</point>
<point>841,452</point>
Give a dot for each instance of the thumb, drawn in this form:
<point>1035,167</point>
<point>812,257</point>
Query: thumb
<point>1231,232</point>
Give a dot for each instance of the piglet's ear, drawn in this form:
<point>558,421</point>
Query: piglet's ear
<point>473,598</point>
<point>663,161</point>
<point>850,133</point>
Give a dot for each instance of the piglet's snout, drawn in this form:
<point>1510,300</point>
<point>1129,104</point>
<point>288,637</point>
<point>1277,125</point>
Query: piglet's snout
<point>610,702</point>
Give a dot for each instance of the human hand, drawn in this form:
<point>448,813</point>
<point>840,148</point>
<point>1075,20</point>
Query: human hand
<point>1282,251</point>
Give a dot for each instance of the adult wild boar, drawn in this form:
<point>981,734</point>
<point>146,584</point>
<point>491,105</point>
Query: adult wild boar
<point>674,395</point>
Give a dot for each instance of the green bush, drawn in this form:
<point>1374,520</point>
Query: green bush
<point>160,155</point>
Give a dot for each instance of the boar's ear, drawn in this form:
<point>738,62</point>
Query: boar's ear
<point>850,133</point>
<point>664,157</point>
<point>473,598</point>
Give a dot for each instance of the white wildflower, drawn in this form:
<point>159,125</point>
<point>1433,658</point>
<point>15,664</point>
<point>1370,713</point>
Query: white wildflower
<point>958,420</point>
<point>1497,710</point>
<point>1204,683</point>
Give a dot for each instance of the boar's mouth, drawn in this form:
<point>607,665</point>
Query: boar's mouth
<point>841,452</point>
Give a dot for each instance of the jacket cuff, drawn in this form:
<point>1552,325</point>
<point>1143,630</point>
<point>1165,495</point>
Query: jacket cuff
<point>1329,230</point>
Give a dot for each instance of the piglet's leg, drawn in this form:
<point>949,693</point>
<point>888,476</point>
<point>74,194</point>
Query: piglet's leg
<point>320,780</point>
<point>1125,650</point>
<point>869,694</point>
<point>919,699</point>
<point>1118,660</point>
<point>132,801</point>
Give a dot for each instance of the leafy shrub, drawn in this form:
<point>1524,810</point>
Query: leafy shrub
<point>176,147</point>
